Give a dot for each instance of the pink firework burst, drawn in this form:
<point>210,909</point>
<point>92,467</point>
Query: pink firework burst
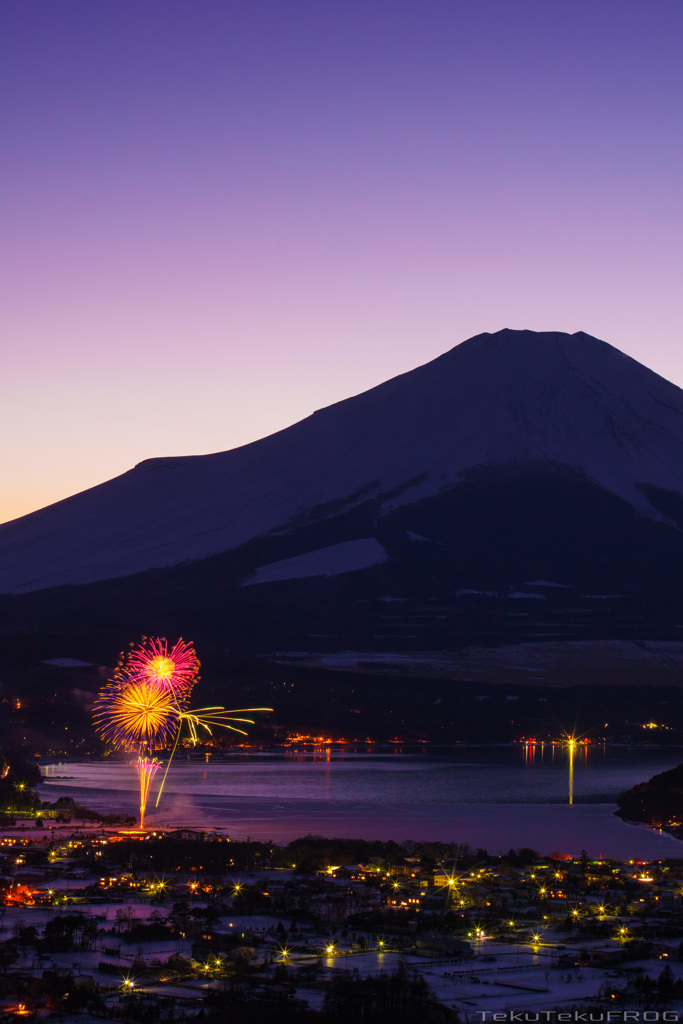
<point>175,669</point>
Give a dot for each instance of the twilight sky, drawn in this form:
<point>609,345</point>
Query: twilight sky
<point>218,216</point>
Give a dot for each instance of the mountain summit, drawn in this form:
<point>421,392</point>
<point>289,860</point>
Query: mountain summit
<point>497,407</point>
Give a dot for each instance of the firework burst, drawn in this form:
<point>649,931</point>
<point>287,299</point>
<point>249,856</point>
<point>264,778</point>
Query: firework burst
<point>136,712</point>
<point>151,660</point>
<point>146,704</point>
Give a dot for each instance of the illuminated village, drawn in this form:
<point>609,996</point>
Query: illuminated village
<point>109,917</point>
<point>104,921</point>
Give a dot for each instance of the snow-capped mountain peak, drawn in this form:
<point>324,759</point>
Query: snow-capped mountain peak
<point>498,402</point>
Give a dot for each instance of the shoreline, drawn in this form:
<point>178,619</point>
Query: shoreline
<point>356,747</point>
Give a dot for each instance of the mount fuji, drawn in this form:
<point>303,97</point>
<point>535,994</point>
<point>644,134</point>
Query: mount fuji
<point>522,492</point>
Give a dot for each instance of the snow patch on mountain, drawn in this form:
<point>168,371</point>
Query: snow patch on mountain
<point>349,556</point>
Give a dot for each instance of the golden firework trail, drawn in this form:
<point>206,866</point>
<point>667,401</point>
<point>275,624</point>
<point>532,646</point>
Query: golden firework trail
<point>147,769</point>
<point>204,718</point>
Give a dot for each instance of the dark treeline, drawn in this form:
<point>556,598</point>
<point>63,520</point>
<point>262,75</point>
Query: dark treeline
<point>210,857</point>
<point>402,997</point>
<point>17,777</point>
<point>658,802</point>
<point>399,998</point>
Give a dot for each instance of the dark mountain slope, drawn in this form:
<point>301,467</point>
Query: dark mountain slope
<point>523,489</point>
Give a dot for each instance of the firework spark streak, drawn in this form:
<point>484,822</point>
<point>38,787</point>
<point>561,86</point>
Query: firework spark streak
<point>147,769</point>
<point>204,718</point>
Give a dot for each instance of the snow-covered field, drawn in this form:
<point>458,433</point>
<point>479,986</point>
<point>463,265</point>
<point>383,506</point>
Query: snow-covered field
<point>548,663</point>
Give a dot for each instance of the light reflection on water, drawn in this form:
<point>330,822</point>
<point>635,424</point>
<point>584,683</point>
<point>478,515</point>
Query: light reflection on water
<point>494,797</point>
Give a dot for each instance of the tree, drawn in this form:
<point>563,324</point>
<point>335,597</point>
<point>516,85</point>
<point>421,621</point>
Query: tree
<point>400,998</point>
<point>666,983</point>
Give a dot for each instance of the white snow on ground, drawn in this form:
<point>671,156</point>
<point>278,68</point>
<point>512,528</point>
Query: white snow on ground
<point>546,583</point>
<point>349,556</point>
<point>549,663</point>
<point>486,593</point>
<point>508,399</point>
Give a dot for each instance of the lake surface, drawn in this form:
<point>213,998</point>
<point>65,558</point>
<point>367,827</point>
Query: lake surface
<point>491,797</point>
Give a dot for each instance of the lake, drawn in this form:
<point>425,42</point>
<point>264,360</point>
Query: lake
<point>491,797</point>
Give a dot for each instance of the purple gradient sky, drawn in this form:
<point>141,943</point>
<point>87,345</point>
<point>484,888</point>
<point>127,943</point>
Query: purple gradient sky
<point>219,216</point>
